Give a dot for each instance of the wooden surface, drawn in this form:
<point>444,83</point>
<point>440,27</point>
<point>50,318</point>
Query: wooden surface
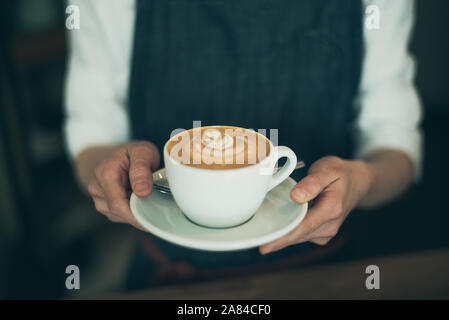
<point>423,275</point>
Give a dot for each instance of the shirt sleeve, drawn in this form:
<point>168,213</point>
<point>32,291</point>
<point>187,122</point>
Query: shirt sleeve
<point>98,72</point>
<point>390,109</point>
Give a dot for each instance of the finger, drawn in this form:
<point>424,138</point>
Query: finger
<point>118,205</point>
<point>327,230</point>
<point>102,206</point>
<point>326,209</point>
<point>95,189</point>
<point>321,241</point>
<point>116,219</point>
<point>312,185</point>
<point>141,162</point>
<point>111,180</point>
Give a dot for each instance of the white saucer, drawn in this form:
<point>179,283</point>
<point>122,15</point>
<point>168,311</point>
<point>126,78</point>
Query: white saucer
<point>277,216</point>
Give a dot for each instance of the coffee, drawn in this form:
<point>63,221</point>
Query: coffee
<point>221,198</point>
<point>218,147</point>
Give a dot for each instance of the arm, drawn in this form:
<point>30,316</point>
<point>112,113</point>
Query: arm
<point>97,76</point>
<point>390,110</point>
<point>97,135</point>
<point>387,132</point>
<point>392,172</point>
<point>339,186</point>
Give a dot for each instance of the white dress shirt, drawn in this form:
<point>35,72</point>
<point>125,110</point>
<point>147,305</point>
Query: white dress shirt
<point>99,68</point>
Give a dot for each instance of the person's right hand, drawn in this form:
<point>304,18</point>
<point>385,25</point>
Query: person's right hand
<point>128,169</point>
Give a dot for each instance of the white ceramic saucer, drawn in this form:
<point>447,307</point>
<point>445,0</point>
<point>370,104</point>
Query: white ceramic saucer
<point>277,216</point>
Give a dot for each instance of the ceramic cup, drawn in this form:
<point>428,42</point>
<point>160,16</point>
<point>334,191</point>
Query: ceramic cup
<point>229,197</point>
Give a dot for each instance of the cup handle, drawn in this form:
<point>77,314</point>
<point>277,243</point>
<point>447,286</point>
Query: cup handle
<point>288,167</point>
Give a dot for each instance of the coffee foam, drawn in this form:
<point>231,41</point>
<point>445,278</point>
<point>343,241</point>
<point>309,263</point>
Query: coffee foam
<point>219,147</point>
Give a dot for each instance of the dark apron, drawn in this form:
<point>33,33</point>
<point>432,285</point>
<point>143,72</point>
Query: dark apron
<point>292,65</point>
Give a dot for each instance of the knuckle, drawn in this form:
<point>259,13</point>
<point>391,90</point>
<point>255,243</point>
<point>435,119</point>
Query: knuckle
<point>139,170</point>
<point>99,171</point>
<point>110,173</point>
<point>105,169</point>
<point>142,148</point>
<point>118,159</point>
<point>330,166</point>
<point>115,206</point>
<point>121,153</point>
<point>91,189</point>
<point>334,160</point>
<point>328,161</point>
<point>99,208</point>
<point>337,210</point>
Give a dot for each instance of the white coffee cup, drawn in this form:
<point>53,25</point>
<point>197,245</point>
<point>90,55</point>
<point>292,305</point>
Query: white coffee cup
<point>225,198</point>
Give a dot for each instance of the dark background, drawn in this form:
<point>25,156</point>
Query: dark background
<point>46,223</point>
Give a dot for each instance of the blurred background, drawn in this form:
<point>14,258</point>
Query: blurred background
<point>47,223</point>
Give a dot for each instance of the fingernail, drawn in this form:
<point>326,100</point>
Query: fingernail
<point>141,186</point>
<point>300,195</point>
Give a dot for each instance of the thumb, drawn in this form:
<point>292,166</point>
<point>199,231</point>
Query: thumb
<point>312,185</point>
<point>140,176</point>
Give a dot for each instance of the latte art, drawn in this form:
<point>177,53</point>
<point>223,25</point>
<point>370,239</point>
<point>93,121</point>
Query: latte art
<point>213,139</point>
<point>215,146</point>
<point>218,147</point>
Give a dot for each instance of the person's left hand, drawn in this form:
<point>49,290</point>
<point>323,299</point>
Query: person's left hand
<point>337,186</point>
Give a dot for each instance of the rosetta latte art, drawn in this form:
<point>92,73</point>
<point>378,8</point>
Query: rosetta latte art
<point>217,147</point>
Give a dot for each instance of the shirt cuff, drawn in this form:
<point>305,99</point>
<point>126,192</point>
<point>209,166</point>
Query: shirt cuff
<point>409,141</point>
<point>82,134</point>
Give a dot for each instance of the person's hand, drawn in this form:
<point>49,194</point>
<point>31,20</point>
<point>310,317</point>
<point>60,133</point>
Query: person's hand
<point>337,186</point>
<point>128,169</point>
